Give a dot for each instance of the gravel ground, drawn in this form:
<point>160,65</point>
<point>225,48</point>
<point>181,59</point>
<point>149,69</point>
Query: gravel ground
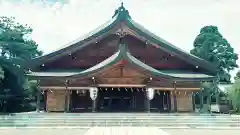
<point>83,131</point>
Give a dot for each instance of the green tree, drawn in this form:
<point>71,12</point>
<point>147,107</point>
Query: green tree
<point>234,95</point>
<point>211,46</point>
<point>16,47</point>
<point>1,74</point>
<point>237,76</point>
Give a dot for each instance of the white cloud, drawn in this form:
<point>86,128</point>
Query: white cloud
<point>177,21</point>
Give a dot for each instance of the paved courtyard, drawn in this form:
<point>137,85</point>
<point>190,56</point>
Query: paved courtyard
<point>116,131</point>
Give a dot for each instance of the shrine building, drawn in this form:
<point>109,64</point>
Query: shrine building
<point>120,67</point>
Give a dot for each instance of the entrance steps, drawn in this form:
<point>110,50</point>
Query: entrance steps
<point>170,120</point>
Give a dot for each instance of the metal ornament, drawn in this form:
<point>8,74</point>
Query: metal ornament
<point>42,91</point>
<point>93,92</point>
<point>150,93</point>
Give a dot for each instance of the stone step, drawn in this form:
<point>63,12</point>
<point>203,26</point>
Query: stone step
<point>116,114</point>
<point>109,117</point>
<point>119,121</point>
<point>139,120</point>
<point>117,124</point>
<point>116,119</point>
<point>170,118</point>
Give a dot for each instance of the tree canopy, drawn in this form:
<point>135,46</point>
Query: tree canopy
<point>15,48</point>
<point>237,76</point>
<point>234,95</point>
<point>210,45</point>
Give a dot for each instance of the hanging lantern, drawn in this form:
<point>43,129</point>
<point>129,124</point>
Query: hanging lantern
<point>93,92</point>
<point>77,91</point>
<point>112,88</point>
<point>106,89</point>
<point>51,91</point>
<point>150,93</point>
<point>118,89</point>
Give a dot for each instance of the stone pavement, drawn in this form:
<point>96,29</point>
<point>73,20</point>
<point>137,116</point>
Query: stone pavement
<point>88,132</point>
<point>125,131</point>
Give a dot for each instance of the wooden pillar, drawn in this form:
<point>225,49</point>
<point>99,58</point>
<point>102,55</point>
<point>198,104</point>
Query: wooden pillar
<point>218,98</point>
<point>133,102</point>
<point>66,109</point>
<point>147,105</point>
<point>45,100</point>
<point>147,102</point>
<point>70,101</point>
<point>201,99</point>
<point>174,97</point>
<point>38,103</point>
<point>66,101</point>
<point>209,101</point>
<point>169,101</point>
<point>216,82</point>
<point>193,101</point>
<point>94,104</point>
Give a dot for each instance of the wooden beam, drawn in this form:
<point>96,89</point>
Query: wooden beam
<point>115,85</point>
<point>121,85</point>
<point>63,88</point>
<point>171,89</point>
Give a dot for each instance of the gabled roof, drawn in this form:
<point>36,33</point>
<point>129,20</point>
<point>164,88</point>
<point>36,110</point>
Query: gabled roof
<point>122,15</point>
<point>123,54</point>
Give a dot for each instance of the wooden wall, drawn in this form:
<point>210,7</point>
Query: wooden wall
<point>184,102</point>
<point>56,100</point>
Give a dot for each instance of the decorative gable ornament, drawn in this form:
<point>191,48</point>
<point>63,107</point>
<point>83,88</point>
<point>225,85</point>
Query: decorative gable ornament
<point>93,92</point>
<point>121,33</point>
<point>150,93</point>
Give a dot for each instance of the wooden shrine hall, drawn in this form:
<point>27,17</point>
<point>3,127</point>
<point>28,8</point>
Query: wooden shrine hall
<point>119,67</point>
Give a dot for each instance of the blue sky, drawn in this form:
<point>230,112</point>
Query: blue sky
<point>57,22</point>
